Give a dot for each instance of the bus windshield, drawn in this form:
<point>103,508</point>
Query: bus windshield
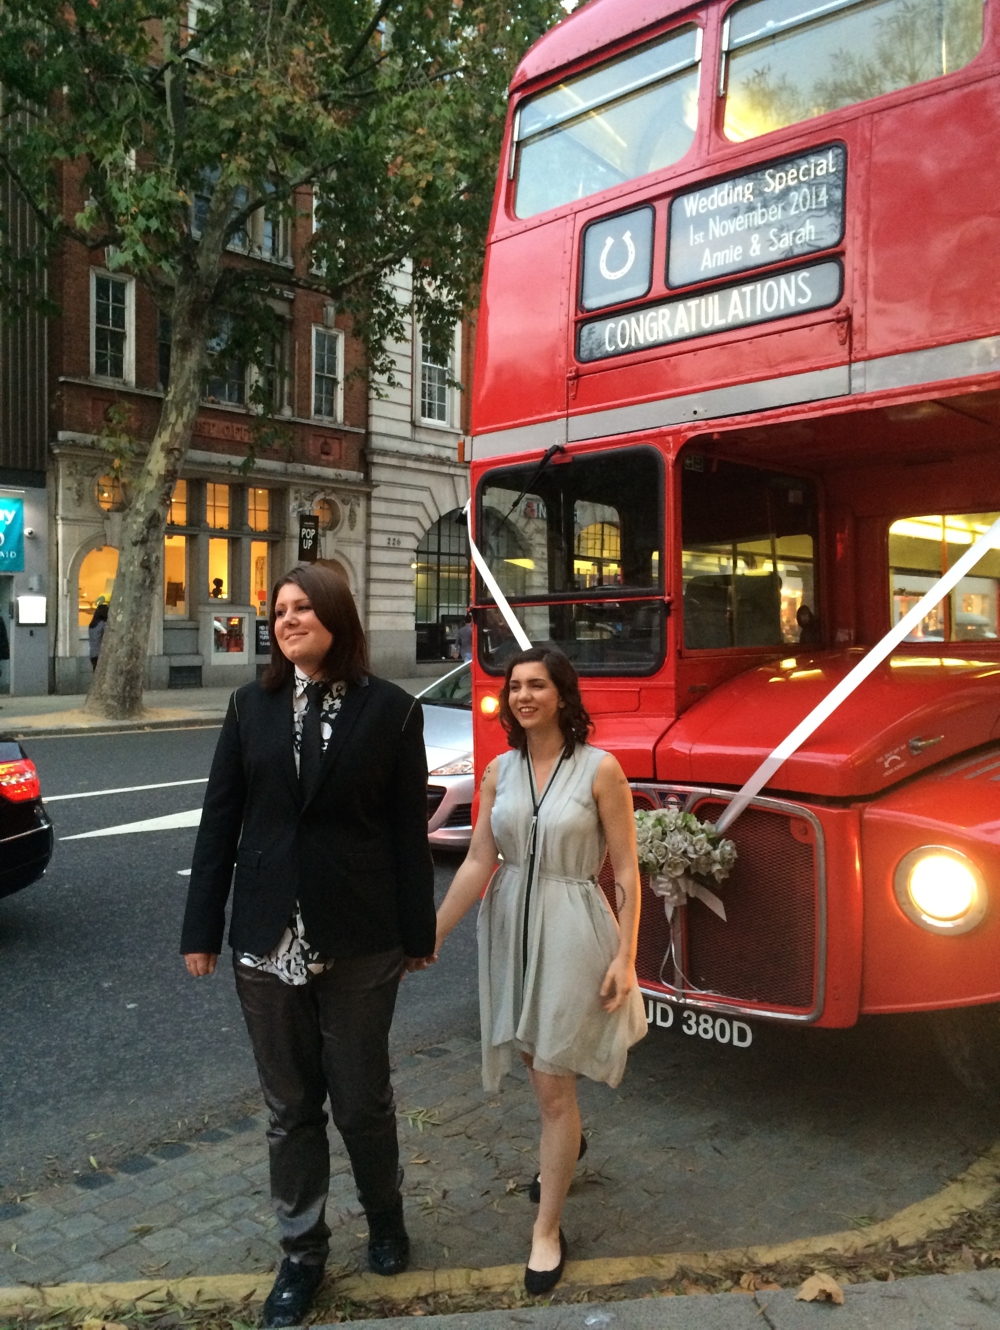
<point>748,556</point>
<point>577,547</point>
<point>621,120</point>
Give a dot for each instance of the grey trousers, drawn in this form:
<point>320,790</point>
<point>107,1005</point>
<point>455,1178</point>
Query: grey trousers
<point>326,1038</point>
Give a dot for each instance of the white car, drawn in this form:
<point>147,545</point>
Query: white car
<point>451,781</point>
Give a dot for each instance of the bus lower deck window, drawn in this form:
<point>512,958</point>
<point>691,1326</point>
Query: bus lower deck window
<point>790,60</point>
<point>577,548</point>
<point>920,550</point>
<point>748,557</point>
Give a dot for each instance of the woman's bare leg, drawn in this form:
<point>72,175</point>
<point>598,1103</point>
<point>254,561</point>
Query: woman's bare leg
<point>557,1160</point>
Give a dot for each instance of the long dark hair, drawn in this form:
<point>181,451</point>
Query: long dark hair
<point>334,606</point>
<point>574,721</point>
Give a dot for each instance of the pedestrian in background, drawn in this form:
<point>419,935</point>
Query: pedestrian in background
<point>318,796</point>
<point>95,633</point>
<point>465,639</point>
<point>557,978</point>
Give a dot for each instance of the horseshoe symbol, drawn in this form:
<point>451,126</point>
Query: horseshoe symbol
<point>613,275</point>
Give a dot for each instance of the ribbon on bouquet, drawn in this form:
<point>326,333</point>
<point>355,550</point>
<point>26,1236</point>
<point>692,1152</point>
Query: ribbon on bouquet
<point>673,890</point>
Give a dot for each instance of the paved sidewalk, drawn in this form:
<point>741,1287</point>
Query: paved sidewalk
<point>652,1182</point>
<point>929,1302</point>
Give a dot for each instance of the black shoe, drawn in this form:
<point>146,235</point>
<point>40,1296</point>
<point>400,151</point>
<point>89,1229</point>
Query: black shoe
<point>535,1185</point>
<point>388,1243</point>
<point>293,1292</point>
<point>537,1282</point>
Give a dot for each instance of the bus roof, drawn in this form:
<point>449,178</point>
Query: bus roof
<point>591,28</point>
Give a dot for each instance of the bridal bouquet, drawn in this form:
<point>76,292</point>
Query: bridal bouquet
<point>676,849</point>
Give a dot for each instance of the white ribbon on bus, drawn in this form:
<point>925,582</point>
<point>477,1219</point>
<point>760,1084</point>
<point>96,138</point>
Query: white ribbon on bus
<point>833,699</point>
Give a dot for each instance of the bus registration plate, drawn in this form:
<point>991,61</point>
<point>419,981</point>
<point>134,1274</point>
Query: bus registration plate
<point>698,1024</point>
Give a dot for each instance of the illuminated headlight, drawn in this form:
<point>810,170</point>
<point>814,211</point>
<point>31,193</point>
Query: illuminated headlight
<point>462,766</point>
<point>940,889</point>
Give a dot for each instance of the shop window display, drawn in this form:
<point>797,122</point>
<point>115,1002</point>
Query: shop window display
<point>97,580</point>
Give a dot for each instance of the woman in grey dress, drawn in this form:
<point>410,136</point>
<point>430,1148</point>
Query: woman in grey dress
<point>556,971</point>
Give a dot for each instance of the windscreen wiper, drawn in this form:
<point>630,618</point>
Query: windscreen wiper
<point>546,459</point>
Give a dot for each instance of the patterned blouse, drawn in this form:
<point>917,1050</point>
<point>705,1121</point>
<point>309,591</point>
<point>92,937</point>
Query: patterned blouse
<point>293,960</point>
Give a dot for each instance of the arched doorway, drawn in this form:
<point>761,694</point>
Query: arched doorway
<point>441,586</point>
<point>96,581</point>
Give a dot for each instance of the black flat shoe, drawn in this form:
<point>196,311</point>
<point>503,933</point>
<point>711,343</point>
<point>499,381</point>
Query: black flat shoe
<point>389,1256</point>
<point>388,1243</point>
<point>535,1185</point>
<point>537,1282</point>
<point>293,1292</point>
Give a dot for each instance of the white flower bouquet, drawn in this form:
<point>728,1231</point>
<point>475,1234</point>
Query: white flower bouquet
<point>677,848</point>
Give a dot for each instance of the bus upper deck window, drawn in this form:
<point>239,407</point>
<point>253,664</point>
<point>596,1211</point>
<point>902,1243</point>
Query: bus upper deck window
<point>622,120</point>
<point>920,550</point>
<point>790,60</point>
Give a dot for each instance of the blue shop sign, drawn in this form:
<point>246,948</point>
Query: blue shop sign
<point>11,535</point>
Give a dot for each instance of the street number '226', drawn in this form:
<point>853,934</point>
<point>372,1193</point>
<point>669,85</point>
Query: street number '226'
<point>700,1023</point>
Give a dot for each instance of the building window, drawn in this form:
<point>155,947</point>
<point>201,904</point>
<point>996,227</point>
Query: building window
<point>227,382</point>
<point>260,574</point>
<point>441,586</point>
<point>110,494</point>
<point>175,576</point>
<point>111,327</point>
<point>327,374</point>
<point>218,569</point>
<point>217,506</point>
<point>164,335</point>
<point>258,509</point>
<point>433,386</point>
<point>96,582</point>
<point>272,375</point>
<point>177,512</point>
<point>271,233</point>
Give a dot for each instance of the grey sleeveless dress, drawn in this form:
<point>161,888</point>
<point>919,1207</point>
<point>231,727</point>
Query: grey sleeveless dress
<point>545,944</point>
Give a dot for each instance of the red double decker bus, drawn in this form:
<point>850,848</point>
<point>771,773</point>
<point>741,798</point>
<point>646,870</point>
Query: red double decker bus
<point>736,410</point>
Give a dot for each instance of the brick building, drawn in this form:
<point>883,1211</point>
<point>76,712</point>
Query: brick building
<point>380,468</point>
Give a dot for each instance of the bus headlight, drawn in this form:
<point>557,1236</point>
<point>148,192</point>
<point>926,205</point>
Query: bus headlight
<point>489,706</point>
<point>940,889</point>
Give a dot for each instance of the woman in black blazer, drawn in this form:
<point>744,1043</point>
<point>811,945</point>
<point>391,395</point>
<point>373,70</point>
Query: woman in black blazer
<point>318,798</point>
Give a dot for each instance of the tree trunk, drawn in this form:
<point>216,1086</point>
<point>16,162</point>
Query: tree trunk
<point>121,667</point>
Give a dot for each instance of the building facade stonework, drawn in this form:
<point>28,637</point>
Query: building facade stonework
<point>356,455</point>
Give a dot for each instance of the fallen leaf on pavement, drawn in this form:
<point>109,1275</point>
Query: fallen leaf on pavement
<point>751,1282</point>
<point>689,1287</point>
<point>820,1288</point>
<point>420,1159</point>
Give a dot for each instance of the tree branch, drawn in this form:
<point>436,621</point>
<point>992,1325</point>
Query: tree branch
<point>368,33</point>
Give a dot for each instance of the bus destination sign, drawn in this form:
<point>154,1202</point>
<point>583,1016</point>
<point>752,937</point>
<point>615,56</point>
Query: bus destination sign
<point>783,210</point>
<point>776,296</point>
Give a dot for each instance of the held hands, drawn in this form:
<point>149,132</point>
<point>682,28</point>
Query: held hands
<point>200,963</point>
<point>618,983</point>
<point>413,963</point>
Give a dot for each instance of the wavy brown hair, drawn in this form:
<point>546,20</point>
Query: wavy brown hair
<point>334,606</point>
<point>574,721</point>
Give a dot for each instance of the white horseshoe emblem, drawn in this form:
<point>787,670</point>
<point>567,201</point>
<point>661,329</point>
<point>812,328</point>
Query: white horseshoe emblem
<point>608,273</point>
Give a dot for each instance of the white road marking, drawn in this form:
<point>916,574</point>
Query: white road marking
<point>124,789</point>
<point>168,823</point>
<point>183,872</point>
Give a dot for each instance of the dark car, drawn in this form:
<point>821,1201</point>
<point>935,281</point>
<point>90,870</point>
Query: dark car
<point>25,829</point>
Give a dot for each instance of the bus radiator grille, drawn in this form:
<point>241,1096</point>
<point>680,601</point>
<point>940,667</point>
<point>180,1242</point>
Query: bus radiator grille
<point>765,953</point>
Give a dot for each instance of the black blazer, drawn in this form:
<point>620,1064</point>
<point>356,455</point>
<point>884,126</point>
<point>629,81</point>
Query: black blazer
<point>355,854</point>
